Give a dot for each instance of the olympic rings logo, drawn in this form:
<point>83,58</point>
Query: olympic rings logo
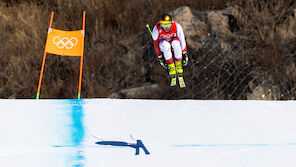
<point>168,35</point>
<point>65,42</point>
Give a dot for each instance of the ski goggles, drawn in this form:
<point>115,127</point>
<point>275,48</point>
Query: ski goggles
<point>169,25</point>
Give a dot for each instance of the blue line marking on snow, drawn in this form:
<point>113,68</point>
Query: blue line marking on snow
<point>234,145</point>
<point>79,158</point>
<point>77,128</point>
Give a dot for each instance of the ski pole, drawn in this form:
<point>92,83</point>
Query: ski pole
<point>149,29</point>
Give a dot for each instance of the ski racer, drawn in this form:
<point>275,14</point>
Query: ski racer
<point>168,36</point>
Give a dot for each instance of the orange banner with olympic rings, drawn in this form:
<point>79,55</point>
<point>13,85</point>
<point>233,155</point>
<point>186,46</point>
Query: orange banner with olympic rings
<point>66,43</point>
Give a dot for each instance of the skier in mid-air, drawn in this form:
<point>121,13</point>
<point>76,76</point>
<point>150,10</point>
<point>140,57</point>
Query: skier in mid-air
<point>168,35</point>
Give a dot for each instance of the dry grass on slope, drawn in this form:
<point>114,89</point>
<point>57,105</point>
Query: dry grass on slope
<point>110,24</point>
<point>115,28</point>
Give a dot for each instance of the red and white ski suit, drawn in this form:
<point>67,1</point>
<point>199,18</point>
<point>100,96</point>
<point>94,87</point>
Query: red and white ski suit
<point>165,42</point>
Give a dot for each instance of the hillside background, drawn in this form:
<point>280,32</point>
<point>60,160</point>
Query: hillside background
<point>241,49</point>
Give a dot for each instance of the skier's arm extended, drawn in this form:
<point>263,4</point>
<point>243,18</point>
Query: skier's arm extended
<point>181,37</point>
<point>156,42</point>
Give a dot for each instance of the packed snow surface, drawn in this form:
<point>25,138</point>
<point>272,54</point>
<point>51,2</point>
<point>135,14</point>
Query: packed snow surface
<point>106,133</point>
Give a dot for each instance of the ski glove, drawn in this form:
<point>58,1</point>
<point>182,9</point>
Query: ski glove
<point>163,63</point>
<point>185,59</point>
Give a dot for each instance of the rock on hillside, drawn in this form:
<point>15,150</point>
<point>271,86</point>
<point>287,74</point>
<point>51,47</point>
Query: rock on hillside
<point>199,25</point>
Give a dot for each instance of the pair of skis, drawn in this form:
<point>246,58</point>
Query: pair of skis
<point>181,81</point>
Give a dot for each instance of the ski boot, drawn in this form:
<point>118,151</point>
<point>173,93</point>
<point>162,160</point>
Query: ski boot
<point>179,70</point>
<point>172,72</point>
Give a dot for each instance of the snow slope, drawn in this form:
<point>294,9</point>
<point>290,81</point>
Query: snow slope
<point>178,133</point>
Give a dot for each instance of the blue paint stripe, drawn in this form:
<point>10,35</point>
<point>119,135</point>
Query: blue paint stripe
<point>77,128</point>
<point>234,145</point>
